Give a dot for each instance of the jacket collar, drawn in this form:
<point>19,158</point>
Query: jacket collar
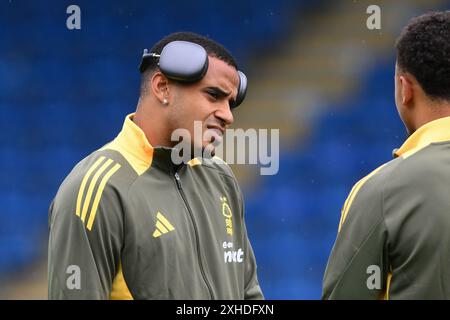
<point>431,132</point>
<point>133,141</point>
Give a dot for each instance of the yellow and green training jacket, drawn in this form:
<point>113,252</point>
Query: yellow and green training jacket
<point>394,234</point>
<point>127,223</point>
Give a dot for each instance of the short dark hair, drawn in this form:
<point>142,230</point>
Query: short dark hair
<point>212,47</point>
<point>423,49</point>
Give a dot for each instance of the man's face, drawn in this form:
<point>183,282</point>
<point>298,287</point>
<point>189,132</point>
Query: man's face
<point>207,101</point>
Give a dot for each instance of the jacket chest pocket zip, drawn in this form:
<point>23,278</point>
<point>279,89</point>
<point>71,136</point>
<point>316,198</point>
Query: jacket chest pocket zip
<point>197,239</point>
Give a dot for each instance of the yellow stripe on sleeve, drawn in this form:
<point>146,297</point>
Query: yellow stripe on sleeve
<point>87,200</point>
<point>83,183</point>
<point>353,194</point>
<point>99,193</point>
<point>388,284</point>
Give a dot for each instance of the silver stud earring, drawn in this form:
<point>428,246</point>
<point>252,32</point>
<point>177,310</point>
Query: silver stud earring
<point>165,101</point>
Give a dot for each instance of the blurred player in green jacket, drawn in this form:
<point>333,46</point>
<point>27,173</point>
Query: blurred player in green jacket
<point>394,234</point>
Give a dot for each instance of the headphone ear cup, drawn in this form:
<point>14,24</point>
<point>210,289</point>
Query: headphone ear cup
<point>183,61</point>
<point>242,89</point>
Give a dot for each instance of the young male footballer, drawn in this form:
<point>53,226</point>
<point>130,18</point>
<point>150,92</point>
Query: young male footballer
<point>129,222</point>
<point>394,235</point>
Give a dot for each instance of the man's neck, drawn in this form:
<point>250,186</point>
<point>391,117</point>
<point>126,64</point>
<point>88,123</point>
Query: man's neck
<point>153,126</point>
<point>433,110</point>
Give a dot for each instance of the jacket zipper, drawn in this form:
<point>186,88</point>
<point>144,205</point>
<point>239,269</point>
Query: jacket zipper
<point>180,190</point>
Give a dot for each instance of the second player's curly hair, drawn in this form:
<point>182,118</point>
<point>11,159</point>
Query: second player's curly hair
<point>423,49</point>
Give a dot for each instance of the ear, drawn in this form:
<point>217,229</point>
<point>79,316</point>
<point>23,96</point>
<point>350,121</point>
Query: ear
<point>406,89</point>
<point>160,87</point>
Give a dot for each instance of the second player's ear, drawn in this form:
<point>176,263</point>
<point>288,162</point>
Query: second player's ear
<point>160,87</point>
<point>406,89</point>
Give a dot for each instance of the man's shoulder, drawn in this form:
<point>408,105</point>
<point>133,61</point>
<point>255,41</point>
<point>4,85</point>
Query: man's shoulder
<point>218,165</point>
<point>103,169</point>
<point>220,170</point>
<point>421,172</point>
<point>98,183</point>
<point>374,181</point>
<point>416,172</point>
